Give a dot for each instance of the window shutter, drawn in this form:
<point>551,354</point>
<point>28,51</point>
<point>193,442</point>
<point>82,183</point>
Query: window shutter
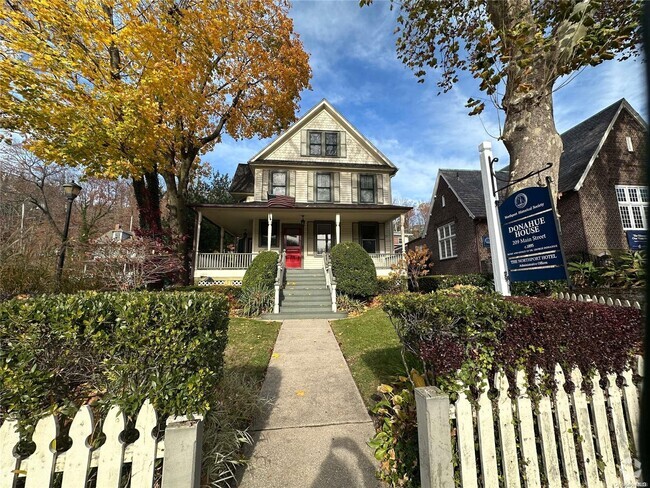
<point>266,185</point>
<point>355,187</point>
<point>355,232</point>
<point>382,237</point>
<point>379,182</point>
<point>310,186</point>
<point>303,143</point>
<point>388,231</point>
<point>343,146</point>
<point>336,183</point>
<point>310,231</point>
<point>389,199</point>
<point>291,175</point>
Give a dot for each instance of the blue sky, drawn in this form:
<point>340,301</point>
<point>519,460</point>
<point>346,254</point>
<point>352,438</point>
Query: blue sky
<point>354,65</point>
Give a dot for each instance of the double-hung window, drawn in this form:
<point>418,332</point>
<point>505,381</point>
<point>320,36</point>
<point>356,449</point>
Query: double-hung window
<point>264,233</point>
<point>278,183</point>
<point>367,188</point>
<point>323,143</point>
<point>324,237</point>
<point>323,187</point>
<point>633,206</point>
<point>369,236</point>
<point>447,240</point>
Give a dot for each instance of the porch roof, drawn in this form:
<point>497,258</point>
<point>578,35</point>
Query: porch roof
<point>234,217</point>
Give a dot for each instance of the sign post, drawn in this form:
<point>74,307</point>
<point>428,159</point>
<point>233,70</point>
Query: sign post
<point>494,229</point>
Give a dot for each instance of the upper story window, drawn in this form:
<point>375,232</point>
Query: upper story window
<point>279,183</point>
<point>633,206</point>
<point>323,143</point>
<point>323,187</point>
<point>367,188</point>
<point>447,240</point>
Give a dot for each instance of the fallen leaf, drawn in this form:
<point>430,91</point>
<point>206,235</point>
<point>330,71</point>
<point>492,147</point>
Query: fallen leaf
<point>300,393</point>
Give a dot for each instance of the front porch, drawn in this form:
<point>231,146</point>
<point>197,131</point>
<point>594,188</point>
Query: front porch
<point>305,232</point>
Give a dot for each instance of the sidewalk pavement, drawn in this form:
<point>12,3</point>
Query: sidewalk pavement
<point>315,431</point>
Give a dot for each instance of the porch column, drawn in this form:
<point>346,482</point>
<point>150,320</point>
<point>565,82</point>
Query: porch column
<point>338,228</point>
<point>197,237</point>
<point>268,237</point>
<point>401,230</point>
<point>221,233</point>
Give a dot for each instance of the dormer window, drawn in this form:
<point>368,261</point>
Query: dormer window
<point>323,143</point>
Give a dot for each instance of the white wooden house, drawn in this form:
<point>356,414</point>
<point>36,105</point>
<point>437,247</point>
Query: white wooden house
<point>319,183</point>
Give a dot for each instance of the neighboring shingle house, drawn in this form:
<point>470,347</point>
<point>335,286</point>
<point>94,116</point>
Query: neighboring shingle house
<point>602,189</point>
<point>319,183</point>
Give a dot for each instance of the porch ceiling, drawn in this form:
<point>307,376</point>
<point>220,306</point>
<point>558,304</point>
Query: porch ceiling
<point>235,218</point>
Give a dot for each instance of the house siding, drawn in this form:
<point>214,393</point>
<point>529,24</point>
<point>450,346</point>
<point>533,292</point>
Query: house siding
<point>574,241</point>
<point>615,165</point>
<point>467,260</point>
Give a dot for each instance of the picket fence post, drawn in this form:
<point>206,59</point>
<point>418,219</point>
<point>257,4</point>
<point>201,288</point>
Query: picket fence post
<point>183,463</point>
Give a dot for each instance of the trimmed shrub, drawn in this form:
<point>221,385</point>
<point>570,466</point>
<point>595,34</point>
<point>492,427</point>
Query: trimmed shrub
<point>348,304</point>
<point>60,351</point>
<point>262,271</point>
<point>354,270</point>
<point>441,282</point>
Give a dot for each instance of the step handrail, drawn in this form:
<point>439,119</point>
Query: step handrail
<point>330,279</point>
<point>279,280</point>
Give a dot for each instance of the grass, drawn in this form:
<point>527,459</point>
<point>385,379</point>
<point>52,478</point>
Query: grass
<point>372,350</point>
<point>250,344</point>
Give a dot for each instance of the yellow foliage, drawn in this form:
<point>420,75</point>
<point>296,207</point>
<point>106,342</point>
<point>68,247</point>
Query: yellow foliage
<point>118,87</point>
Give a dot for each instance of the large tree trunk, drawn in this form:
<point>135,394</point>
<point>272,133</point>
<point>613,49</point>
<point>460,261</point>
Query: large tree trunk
<point>531,139</point>
<point>179,219</point>
<point>147,195</point>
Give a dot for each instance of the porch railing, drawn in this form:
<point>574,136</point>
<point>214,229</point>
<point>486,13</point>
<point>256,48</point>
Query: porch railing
<point>279,281</point>
<point>224,260</point>
<point>385,260</point>
<point>330,280</point>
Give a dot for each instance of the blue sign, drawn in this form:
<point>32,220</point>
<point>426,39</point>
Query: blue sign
<point>486,241</point>
<point>530,236</point>
<point>637,239</point>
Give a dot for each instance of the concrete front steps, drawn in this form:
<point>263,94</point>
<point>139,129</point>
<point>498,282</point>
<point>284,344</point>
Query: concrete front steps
<point>305,296</point>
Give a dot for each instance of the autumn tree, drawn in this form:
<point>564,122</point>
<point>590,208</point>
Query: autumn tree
<point>517,50</point>
<point>140,89</point>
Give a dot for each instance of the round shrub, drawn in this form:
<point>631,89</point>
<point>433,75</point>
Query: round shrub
<point>354,270</point>
<point>262,271</point>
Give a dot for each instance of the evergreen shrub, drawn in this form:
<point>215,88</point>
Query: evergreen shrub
<point>60,351</point>
<point>354,270</point>
<point>262,271</point>
<point>441,282</point>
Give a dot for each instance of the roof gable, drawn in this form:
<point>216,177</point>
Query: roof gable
<point>583,142</point>
<point>323,117</point>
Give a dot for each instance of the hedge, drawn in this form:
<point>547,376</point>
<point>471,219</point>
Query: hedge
<point>60,351</point>
<point>262,271</point>
<point>354,270</point>
<point>440,282</point>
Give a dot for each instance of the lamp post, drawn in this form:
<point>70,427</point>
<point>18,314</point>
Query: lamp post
<point>71,191</point>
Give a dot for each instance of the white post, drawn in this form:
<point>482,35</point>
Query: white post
<point>221,233</point>
<point>401,230</point>
<point>182,466</point>
<point>494,227</point>
<point>268,237</point>
<point>338,228</point>
<point>434,438</point>
<point>199,218</point>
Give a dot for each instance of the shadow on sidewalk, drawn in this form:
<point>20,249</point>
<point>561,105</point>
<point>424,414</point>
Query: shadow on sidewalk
<point>346,465</point>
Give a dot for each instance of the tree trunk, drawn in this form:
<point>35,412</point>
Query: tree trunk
<point>147,195</point>
<point>531,138</point>
<point>179,220</point>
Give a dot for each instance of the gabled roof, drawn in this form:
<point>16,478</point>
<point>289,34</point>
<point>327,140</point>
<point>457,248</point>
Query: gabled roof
<point>583,142</point>
<point>242,181</point>
<point>323,105</point>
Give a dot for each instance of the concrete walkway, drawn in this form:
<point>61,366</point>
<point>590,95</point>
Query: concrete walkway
<point>315,432</point>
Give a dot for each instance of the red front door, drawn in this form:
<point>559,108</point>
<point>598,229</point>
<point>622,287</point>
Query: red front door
<point>292,244</point>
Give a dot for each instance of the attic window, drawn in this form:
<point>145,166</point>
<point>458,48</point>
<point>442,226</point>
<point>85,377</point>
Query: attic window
<point>628,141</point>
<point>442,201</point>
<point>323,143</point>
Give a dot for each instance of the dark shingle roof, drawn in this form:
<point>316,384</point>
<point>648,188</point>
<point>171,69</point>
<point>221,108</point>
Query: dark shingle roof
<point>580,142</point>
<point>242,182</point>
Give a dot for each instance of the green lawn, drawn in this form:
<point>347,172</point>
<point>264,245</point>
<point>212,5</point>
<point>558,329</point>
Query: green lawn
<point>372,350</point>
<point>250,344</point>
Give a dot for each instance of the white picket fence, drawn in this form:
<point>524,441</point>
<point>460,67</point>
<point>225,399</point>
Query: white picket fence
<point>569,440</point>
<point>180,451</point>
<point>598,299</point>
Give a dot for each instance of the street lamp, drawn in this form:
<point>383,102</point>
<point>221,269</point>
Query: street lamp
<point>71,191</point>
